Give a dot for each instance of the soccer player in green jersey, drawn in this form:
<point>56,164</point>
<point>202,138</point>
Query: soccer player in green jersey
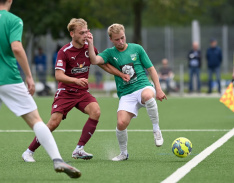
<point>138,91</point>
<point>13,91</point>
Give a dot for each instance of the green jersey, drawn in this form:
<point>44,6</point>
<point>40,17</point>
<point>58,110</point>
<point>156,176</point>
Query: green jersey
<point>11,28</point>
<point>131,61</point>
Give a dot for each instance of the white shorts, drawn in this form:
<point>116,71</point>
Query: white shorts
<point>17,98</point>
<point>132,102</point>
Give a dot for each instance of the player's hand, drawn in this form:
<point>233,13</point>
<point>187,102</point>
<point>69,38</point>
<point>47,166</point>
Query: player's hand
<point>82,82</point>
<point>160,95</point>
<point>125,77</point>
<point>89,38</point>
<point>30,84</point>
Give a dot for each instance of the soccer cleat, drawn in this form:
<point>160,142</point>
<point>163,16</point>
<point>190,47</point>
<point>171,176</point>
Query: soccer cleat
<point>158,138</point>
<point>28,157</point>
<point>120,157</point>
<point>61,166</point>
<point>79,153</point>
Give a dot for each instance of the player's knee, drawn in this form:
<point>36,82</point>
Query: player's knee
<point>121,125</point>
<point>147,95</point>
<point>146,98</point>
<point>95,113</point>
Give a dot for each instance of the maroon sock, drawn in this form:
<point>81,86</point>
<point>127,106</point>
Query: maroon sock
<point>87,132</point>
<point>34,145</point>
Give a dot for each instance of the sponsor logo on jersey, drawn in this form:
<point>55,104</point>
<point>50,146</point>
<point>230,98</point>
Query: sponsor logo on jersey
<point>21,23</point>
<point>60,63</point>
<point>133,56</point>
<point>80,69</point>
<point>87,54</point>
<point>129,69</point>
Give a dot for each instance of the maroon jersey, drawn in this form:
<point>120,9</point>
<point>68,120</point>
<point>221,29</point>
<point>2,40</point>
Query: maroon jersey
<point>75,63</point>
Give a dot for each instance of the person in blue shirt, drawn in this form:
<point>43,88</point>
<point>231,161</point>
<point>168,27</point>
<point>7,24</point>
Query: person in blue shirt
<point>214,60</point>
<point>54,62</point>
<point>41,67</point>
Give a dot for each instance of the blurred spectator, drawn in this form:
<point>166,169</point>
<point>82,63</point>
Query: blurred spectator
<point>41,67</point>
<point>214,60</point>
<point>98,77</point>
<point>53,64</point>
<point>194,63</point>
<point>165,74</point>
<point>55,57</point>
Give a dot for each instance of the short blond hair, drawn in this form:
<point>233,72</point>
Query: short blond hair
<point>115,28</point>
<point>75,22</point>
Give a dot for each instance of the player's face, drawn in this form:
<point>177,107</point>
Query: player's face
<point>119,40</point>
<point>79,36</point>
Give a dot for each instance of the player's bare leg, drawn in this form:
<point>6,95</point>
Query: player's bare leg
<point>124,119</point>
<point>53,123</point>
<point>148,96</point>
<point>47,140</point>
<point>93,110</point>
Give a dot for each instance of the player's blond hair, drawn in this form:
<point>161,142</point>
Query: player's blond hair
<point>75,22</point>
<point>115,28</point>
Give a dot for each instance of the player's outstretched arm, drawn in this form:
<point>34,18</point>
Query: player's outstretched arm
<point>22,59</point>
<point>62,77</point>
<point>112,70</point>
<point>160,95</point>
<point>94,59</point>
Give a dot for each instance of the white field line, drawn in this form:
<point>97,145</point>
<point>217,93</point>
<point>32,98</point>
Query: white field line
<point>166,130</point>
<point>182,171</point>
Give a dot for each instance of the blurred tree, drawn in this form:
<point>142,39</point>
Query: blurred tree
<point>53,16</point>
<point>137,7</point>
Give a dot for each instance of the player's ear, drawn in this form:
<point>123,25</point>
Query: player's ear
<point>71,33</point>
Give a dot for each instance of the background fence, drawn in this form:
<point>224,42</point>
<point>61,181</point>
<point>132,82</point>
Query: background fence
<point>172,43</point>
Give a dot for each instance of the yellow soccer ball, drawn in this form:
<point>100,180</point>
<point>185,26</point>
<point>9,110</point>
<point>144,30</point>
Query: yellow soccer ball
<point>181,147</point>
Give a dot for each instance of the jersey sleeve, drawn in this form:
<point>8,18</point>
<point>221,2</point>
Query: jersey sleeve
<point>146,62</point>
<point>61,61</point>
<point>105,55</point>
<point>16,30</point>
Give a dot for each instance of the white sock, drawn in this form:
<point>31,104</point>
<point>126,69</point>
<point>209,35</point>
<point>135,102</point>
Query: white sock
<point>78,147</point>
<point>46,139</point>
<point>152,109</point>
<point>29,151</point>
<point>122,137</point>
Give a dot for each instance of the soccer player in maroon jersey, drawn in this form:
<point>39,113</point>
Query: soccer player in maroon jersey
<point>72,70</point>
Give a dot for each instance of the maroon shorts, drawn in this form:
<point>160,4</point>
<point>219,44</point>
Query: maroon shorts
<point>65,100</point>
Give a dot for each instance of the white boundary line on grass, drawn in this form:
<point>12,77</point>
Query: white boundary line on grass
<point>166,130</point>
<point>182,171</point>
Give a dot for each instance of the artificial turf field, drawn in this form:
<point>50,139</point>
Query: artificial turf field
<point>202,120</point>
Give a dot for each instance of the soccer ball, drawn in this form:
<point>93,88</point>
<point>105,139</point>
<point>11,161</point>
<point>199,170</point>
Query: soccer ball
<point>181,147</point>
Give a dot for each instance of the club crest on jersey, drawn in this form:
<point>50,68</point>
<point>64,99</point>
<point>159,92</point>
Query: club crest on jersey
<point>87,54</point>
<point>80,69</point>
<point>60,63</point>
<point>133,56</point>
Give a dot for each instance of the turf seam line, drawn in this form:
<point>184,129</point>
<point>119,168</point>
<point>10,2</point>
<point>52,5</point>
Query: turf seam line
<point>184,170</point>
<point>137,130</point>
